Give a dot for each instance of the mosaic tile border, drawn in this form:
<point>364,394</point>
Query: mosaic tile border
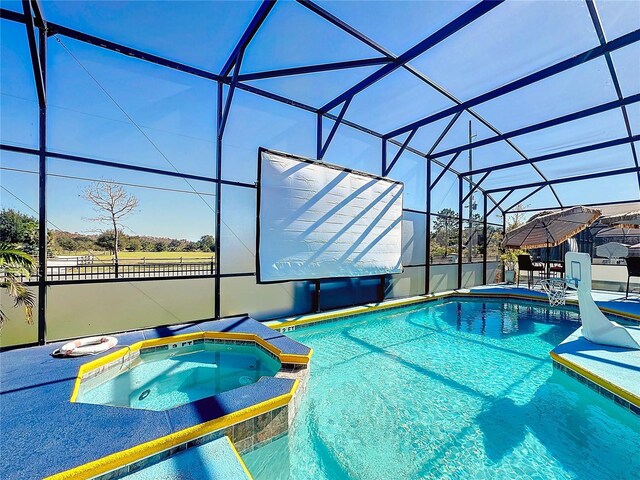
<point>126,361</point>
<point>113,368</point>
<point>246,436</point>
<point>347,316</point>
<point>597,388</point>
<point>201,341</point>
<point>541,301</point>
<point>294,362</point>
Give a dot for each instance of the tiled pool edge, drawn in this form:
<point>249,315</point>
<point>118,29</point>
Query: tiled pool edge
<point>288,324</point>
<point>247,429</point>
<point>271,421</point>
<point>126,470</point>
<point>257,424</point>
<point>621,397</point>
<point>244,437</point>
<point>128,355</point>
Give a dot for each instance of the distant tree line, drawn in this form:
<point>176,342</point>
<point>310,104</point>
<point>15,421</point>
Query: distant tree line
<point>20,229</point>
<point>139,243</point>
<point>444,235</point>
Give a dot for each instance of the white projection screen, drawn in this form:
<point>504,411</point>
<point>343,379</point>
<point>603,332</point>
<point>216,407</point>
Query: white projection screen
<point>320,221</point>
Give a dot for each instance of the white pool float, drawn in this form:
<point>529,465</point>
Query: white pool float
<point>87,346</point>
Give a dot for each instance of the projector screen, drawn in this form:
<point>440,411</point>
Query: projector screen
<point>317,220</point>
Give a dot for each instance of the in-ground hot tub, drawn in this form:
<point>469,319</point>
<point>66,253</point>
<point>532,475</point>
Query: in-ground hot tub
<point>167,376</point>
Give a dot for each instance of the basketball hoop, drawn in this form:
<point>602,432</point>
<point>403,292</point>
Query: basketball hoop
<point>556,290</point>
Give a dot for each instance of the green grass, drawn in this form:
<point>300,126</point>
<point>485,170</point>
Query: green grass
<point>173,256</point>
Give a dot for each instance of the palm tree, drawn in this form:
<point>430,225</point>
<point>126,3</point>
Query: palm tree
<point>14,265</point>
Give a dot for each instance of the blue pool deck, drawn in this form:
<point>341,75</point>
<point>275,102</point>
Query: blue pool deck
<point>43,433</point>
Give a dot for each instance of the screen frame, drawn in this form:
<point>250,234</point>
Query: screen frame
<point>312,161</point>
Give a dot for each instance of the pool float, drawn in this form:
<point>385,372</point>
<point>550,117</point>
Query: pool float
<point>86,346</point>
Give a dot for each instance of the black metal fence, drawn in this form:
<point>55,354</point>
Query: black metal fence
<point>138,270</point>
<point>79,269</point>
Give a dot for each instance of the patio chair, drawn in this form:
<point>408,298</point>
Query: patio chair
<point>557,269</point>
<point>633,270</point>
<point>526,265</point>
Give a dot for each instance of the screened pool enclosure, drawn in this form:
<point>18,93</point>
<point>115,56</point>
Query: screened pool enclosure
<point>481,110</point>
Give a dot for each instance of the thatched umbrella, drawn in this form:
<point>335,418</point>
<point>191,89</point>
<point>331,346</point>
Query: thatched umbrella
<point>550,229</point>
<point>623,220</point>
<point>613,231</point>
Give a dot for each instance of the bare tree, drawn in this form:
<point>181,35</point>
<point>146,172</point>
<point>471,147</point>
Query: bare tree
<point>112,203</point>
<point>517,217</point>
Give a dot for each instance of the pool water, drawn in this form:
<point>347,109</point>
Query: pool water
<point>457,390</point>
<point>169,378</point>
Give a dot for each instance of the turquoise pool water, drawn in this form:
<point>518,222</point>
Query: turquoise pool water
<point>169,378</point>
<point>457,390</point>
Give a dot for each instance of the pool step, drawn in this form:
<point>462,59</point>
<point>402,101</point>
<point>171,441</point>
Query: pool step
<point>216,460</point>
<point>610,371</point>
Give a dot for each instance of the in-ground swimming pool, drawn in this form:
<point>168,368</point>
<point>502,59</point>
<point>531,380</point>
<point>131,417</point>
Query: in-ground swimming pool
<point>170,377</point>
<point>461,389</point>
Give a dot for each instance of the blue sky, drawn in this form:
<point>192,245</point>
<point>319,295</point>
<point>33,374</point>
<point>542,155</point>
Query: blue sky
<point>176,112</point>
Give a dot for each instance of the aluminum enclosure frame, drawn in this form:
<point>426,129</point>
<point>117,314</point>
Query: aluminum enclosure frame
<point>230,78</point>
